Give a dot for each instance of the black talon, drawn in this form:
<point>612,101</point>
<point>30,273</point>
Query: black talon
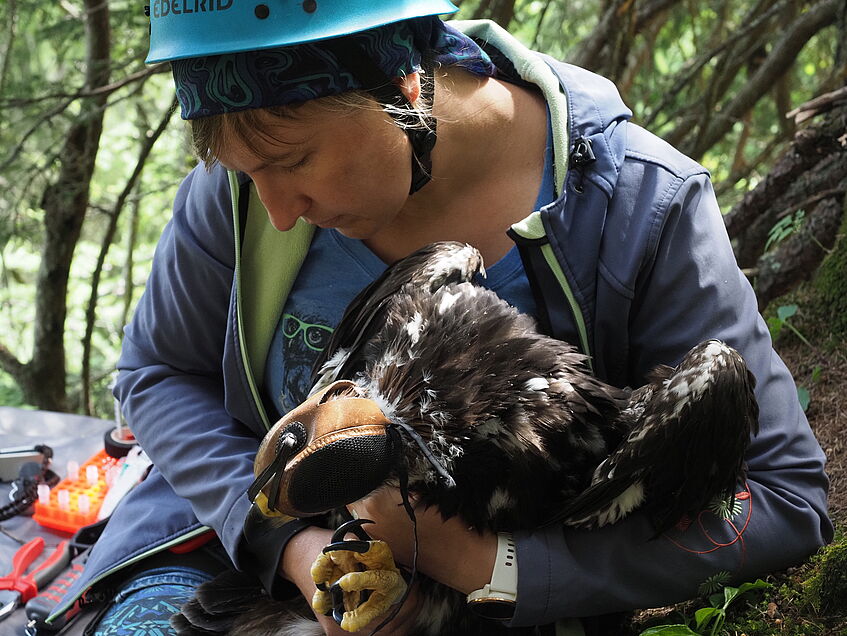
<point>338,542</point>
<point>337,595</point>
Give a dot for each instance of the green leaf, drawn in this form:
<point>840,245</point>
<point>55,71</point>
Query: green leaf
<point>729,594</point>
<point>714,583</point>
<point>804,397</point>
<point>775,327</point>
<point>669,630</point>
<point>705,615</point>
<point>786,311</point>
<point>816,373</point>
<point>758,584</point>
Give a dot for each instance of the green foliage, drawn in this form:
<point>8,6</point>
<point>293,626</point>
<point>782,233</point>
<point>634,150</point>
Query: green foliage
<point>831,283</point>
<point>10,393</point>
<point>42,64</point>
<point>714,583</point>
<point>780,321</point>
<point>809,600</point>
<point>784,228</point>
<point>713,616</point>
<point>669,630</point>
<point>826,589</point>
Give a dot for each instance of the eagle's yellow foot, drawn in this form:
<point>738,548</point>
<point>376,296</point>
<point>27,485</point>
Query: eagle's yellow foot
<point>344,567</point>
<point>326,570</point>
<point>387,587</point>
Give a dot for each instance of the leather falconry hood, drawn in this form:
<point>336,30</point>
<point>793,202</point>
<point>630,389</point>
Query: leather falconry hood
<point>332,449</point>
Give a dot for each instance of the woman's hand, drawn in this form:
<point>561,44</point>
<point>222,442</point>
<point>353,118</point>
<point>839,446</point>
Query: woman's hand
<point>296,564</point>
<point>448,551</point>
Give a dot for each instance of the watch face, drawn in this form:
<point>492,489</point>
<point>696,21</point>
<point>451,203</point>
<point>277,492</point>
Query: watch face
<point>494,608</point>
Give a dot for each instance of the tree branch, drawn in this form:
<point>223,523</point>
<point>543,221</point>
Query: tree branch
<point>690,70</point>
<point>774,66</point>
<point>11,365</point>
<point>90,314</point>
<point>98,91</point>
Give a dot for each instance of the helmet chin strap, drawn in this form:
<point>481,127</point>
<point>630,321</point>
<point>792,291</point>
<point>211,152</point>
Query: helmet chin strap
<point>422,139</point>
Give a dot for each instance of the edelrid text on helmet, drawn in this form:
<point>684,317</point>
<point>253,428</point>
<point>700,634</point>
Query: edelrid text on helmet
<point>196,28</point>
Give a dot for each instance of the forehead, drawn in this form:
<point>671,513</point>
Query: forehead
<point>246,138</point>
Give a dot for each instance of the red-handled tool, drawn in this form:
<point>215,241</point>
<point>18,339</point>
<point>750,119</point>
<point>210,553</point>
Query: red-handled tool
<point>17,587</point>
<point>39,609</point>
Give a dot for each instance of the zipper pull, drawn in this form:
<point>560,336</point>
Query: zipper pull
<point>581,156</point>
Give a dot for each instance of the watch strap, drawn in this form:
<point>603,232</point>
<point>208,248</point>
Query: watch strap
<point>497,599</point>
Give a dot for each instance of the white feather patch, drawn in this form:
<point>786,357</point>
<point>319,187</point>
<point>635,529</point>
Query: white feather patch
<point>447,301</point>
<point>536,384</point>
<point>414,327</point>
<point>500,500</point>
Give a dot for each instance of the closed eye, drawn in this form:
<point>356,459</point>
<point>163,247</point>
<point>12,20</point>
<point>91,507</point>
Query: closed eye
<point>299,164</point>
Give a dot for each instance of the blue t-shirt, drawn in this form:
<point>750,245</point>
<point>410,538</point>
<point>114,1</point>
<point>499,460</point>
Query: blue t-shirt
<point>335,270</point>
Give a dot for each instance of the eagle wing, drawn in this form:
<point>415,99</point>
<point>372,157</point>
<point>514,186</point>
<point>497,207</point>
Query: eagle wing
<point>690,428</point>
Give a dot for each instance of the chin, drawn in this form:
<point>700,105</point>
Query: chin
<point>354,231</point>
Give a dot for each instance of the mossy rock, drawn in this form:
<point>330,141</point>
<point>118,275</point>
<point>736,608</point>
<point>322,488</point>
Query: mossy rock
<point>831,283</point>
<point>826,589</point>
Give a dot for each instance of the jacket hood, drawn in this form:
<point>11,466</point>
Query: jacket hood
<point>590,104</point>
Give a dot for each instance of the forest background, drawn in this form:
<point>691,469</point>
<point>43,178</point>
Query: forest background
<point>91,153</point>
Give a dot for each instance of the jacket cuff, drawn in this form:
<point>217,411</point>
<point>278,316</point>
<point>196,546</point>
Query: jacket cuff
<point>264,541</point>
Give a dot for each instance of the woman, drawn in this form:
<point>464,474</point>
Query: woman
<point>388,129</point>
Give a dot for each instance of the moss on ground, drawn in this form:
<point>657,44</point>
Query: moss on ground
<point>831,283</point>
<point>809,600</point>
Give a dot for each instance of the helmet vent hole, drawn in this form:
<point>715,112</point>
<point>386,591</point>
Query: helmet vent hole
<point>262,11</point>
<point>310,6</point>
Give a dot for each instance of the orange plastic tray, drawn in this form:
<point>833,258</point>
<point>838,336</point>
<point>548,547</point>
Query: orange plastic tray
<point>71,520</point>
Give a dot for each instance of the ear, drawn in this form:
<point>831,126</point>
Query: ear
<point>410,86</point>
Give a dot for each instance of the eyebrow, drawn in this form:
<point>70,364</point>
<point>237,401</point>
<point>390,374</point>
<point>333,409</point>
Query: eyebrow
<point>270,158</point>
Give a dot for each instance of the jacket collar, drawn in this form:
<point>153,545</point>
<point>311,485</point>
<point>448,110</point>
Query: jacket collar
<point>591,105</point>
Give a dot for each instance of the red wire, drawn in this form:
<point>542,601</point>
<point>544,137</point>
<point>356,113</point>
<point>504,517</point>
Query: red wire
<point>738,533</point>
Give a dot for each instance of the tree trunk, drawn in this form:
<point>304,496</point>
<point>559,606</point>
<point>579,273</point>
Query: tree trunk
<point>810,177</point>
<point>65,203</point>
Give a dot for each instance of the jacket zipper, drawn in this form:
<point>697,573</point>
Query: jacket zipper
<point>581,156</point>
<point>245,359</point>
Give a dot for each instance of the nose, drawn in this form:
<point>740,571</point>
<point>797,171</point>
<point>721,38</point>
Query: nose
<point>284,203</point>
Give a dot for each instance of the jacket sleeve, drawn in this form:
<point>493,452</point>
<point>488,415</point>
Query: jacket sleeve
<point>690,289</point>
<point>171,384</point>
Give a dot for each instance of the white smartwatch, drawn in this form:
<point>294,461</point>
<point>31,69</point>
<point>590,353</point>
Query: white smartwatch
<point>497,599</point>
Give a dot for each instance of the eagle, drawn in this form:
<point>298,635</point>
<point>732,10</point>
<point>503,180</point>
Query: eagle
<point>434,383</point>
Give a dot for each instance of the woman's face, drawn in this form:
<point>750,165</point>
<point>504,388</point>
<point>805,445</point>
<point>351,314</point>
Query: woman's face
<point>348,171</point>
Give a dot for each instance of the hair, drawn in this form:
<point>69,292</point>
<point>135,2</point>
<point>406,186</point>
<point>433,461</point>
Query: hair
<point>210,135</point>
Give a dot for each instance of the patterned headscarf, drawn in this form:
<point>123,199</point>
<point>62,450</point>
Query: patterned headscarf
<point>233,82</point>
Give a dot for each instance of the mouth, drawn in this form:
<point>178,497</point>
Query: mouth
<point>332,222</point>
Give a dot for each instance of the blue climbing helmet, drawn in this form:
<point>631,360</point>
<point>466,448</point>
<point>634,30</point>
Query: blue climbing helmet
<point>194,28</point>
<point>212,42</point>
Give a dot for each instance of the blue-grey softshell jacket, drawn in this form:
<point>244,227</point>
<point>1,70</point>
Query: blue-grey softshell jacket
<point>648,262</point>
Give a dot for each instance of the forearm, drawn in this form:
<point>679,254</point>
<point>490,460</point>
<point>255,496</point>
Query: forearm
<point>456,556</point>
<point>448,551</point>
<point>569,573</point>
